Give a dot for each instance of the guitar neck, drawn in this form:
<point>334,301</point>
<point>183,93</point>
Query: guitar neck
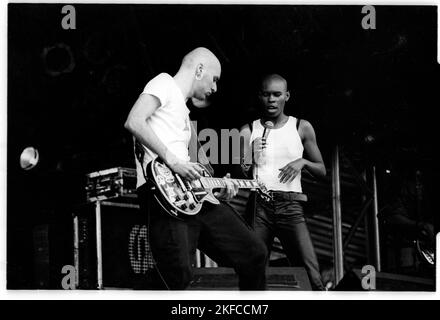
<point>209,182</point>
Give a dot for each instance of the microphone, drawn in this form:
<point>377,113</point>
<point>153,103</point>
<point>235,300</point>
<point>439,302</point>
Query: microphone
<point>267,126</point>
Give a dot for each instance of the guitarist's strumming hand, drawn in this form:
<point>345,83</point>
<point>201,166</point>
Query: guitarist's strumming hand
<point>230,191</point>
<point>187,170</point>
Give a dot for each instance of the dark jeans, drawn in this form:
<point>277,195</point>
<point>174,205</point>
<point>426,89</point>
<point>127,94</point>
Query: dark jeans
<point>217,230</point>
<point>284,218</point>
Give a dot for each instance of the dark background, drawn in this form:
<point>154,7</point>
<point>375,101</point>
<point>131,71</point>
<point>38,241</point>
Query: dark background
<point>71,103</point>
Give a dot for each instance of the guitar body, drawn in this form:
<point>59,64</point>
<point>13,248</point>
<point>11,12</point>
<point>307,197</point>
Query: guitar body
<point>179,198</point>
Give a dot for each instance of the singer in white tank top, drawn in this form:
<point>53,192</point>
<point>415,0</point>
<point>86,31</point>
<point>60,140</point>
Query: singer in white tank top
<point>275,156</point>
<point>283,146</point>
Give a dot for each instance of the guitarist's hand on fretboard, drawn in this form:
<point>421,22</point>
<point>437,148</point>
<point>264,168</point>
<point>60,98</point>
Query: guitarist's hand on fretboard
<point>230,191</point>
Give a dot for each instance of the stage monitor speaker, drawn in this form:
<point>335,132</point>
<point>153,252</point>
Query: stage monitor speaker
<point>278,278</point>
<point>352,281</point>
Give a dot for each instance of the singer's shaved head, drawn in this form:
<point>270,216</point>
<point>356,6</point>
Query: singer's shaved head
<point>273,95</point>
<point>273,77</point>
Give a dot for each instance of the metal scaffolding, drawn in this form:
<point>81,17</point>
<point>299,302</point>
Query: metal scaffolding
<point>337,218</point>
<point>369,211</point>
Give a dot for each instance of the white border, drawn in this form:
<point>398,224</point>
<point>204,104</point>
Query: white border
<point>173,295</point>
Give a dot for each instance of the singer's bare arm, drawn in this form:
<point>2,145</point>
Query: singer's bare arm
<point>136,123</point>
<point>313,161</point>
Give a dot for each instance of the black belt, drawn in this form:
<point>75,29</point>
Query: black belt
<point>286,195</point>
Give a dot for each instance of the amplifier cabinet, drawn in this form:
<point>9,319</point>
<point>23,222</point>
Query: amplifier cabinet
<point>111,251</point>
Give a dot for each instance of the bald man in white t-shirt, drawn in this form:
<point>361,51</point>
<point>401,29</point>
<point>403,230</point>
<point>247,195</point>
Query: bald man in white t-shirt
<point>160,124</point>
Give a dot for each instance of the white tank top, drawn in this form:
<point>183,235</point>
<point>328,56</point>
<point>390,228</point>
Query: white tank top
<point>283,145</point>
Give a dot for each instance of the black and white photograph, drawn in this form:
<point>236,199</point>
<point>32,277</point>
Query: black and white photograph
<point>221,147</point>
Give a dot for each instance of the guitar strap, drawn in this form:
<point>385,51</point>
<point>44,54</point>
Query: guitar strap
<point>140,154</point>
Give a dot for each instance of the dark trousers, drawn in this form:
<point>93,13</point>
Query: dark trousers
<point>284,218</point>
<point>217,230</point>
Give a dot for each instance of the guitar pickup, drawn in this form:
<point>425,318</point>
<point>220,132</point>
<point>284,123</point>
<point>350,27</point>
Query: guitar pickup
<point>182,185</point>
<point>199,193</point>
<point>188,186</point>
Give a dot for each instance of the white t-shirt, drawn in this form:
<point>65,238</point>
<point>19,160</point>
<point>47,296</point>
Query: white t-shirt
<point>283,145</point>
<point>170,122</point>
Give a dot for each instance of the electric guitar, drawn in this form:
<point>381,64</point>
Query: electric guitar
<point>180,198</point>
